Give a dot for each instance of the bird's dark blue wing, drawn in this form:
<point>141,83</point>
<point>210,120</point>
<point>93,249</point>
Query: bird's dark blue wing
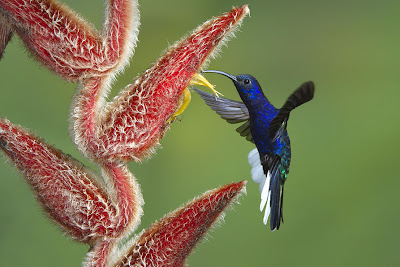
<point>230,110</point>
<point>302,95</point>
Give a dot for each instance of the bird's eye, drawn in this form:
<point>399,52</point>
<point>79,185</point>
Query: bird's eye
<point>246,81</point>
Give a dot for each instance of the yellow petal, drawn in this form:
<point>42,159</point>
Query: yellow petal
<point>185,102</point>
<point>199,79</point>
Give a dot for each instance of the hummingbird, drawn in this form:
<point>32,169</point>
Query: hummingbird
<point>266,127</point>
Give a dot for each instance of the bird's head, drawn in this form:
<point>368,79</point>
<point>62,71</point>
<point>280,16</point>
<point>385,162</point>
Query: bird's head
<point>248,87</point>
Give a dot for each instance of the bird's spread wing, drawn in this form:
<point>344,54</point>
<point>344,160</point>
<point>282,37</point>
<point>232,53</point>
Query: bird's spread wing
<point>230,110</point>
<point>266,172</point>
<point>302,95</point>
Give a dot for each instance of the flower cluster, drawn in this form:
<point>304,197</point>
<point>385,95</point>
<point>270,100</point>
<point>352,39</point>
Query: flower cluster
<point>104,211</point>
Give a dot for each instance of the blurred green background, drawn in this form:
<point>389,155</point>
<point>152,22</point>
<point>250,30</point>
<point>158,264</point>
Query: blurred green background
<point>341,198</point>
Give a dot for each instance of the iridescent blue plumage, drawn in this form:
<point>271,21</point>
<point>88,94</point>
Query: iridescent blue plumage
<point>265,126</point>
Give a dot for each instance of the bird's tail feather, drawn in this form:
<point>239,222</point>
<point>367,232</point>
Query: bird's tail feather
<point>276,203</point>
<point>266,173</point>
<point>271,165</point>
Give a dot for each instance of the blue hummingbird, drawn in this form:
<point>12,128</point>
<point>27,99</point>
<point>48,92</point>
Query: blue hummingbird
<point>265,126</point>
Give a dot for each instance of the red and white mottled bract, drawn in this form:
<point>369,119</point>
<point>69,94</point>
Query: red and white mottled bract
<point>67,44</point>
<point>169,241</point>
<point>99,255</point>
<point>85,111</point>
<point>134,122</point>
<point>69,193</point>
<point>125,190</point>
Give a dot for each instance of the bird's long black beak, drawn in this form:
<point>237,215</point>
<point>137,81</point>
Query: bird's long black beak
<point>233,78</point>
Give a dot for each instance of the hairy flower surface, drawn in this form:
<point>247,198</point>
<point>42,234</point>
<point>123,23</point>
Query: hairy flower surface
<point>69,193</point>
<point>169,241</point>
<point>66,43</point>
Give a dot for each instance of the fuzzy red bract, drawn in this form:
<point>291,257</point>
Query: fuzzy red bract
<point>168,242</point>
<point>41,23</point>
<point>67,44</point>
<point>69,194</point>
